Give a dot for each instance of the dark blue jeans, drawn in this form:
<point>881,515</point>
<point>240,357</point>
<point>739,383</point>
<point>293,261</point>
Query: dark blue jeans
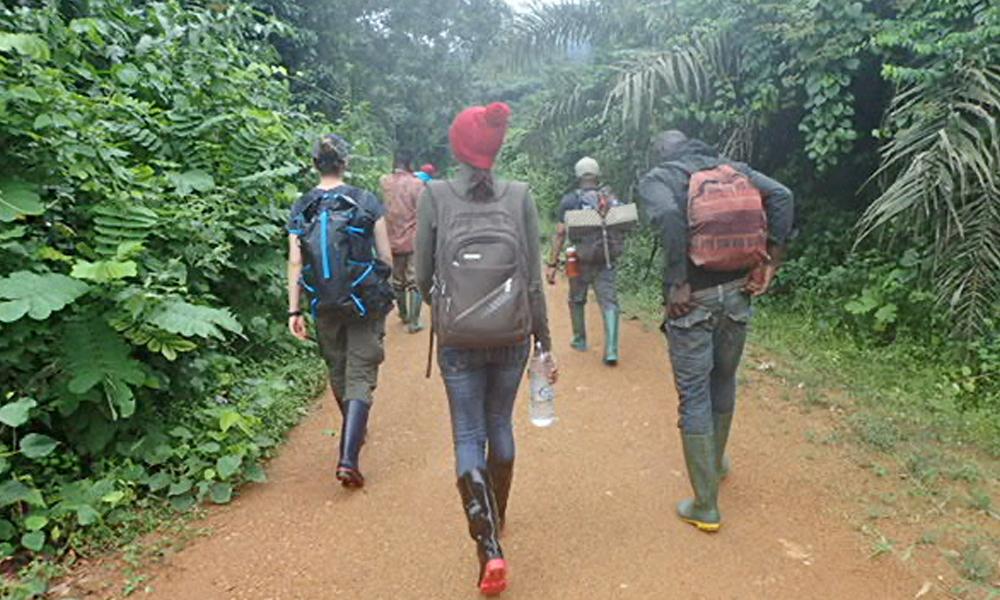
<point>706,346</point>
<point>604,281</point>
<point>482,386</point>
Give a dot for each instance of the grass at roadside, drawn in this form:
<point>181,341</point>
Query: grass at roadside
<point>905,393</point>
<point>933,468</point>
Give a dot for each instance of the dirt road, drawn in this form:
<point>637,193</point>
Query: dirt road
<point>591,512</point>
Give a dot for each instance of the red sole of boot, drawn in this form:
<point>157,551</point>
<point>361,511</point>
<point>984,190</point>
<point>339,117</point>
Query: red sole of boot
<point>349,478</point>
<point>494,577</point>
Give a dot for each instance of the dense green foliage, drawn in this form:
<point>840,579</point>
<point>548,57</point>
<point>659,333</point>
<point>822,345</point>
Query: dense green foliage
<point>414,62</point>
<point>899,96</point>
<point>149,151</point>
<point>880,115</point>
<point>147,159</point>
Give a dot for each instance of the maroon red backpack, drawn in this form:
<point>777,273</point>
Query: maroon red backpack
<point>726,219</point>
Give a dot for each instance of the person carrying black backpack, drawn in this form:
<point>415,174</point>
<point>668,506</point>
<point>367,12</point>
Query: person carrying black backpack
<point>479,264</point>
<point>338,257</point>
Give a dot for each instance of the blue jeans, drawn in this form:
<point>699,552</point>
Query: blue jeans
<point>482,386</point>
<point>705,350</point>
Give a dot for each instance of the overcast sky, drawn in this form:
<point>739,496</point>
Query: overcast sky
<point>522,4</point>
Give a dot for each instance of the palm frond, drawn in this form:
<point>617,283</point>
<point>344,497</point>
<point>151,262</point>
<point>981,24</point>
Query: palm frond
<point>547,29</point>
<point>687,72</point>
<point>572,97</point>
<point>944,168</point>
<point>554,30</point>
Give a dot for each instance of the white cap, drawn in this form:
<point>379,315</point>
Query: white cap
<point>587,166</point>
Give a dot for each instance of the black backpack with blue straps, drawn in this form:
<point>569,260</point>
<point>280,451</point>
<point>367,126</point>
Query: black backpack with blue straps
<point>341,272</point>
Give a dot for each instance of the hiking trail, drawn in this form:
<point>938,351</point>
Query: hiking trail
<point>591,512</point>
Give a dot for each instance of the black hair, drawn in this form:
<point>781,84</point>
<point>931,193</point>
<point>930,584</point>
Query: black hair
<point>329,157</point>
<point>482,187</point>
<point>403,159</point>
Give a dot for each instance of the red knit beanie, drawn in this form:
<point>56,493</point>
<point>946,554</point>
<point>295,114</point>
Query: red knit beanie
<point>477,133</point>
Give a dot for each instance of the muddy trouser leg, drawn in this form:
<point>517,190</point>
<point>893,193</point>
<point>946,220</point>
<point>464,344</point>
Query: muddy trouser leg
<point>331,334</point>
<point>364,355</point>
<point>506,369</point>
<point>606,288</point>
<point>729,340</point>
<point>690,339</point>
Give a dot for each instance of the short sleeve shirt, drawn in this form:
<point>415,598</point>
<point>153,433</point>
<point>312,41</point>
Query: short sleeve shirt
<point>367,200</point>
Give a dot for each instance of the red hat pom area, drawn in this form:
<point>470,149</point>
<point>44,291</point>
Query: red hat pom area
<point>477,134</point>
<point>497,114</point>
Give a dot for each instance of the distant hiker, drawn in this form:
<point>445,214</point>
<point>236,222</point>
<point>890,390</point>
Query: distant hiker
<point>724,228</point>
<point>427,173</point>
<point>338,255</point>
<point>596,230</point>
<point>400,191</point>
<point>479,262</point>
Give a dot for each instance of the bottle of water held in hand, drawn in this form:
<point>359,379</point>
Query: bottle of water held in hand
<point>543,395</point>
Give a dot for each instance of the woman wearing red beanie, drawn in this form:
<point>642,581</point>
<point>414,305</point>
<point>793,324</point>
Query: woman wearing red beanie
<point>479,264</point>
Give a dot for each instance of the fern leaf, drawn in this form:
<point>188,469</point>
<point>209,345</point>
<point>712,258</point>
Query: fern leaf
<point>188,320</point>
<point>116,225</point>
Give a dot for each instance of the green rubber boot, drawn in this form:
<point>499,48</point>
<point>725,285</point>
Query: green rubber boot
<point>401,305</point>
<point>413,312</point>
<point>611,321</point>
<point>577,313</point>
<point>722,422</point>
<point>702,511</point>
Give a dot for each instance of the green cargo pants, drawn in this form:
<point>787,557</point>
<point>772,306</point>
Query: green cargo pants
<point>353,351</point>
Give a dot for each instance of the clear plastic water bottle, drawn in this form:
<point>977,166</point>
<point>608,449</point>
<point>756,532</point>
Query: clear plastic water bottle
<point>543,395</point>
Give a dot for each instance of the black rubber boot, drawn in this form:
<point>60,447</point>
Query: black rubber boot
<point>352,437</point>
<point>482,514</point>
<point>501,475</point>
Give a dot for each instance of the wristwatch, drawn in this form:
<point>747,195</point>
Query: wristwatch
<point>295,313</point>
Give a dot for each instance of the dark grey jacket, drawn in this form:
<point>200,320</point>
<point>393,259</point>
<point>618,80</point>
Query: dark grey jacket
<point>664,194</point>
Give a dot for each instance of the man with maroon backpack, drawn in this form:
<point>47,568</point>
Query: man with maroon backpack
<point>724,228</point>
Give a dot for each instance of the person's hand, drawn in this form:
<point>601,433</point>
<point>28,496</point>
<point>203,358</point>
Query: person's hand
<point>297,325</point>
<point>552,369</point>
<point>550,274</point>
<point>760,279</point>
<point>679,301</point>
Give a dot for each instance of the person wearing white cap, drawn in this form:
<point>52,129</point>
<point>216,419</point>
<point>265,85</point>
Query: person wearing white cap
<point>596,253</point>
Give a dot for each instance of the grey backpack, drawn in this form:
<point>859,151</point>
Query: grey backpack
<point>481,273</point>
